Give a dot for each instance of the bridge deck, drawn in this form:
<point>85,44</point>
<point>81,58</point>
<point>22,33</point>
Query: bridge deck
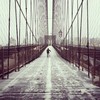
<point>49,78</point>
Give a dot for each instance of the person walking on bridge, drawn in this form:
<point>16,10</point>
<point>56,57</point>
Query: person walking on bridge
<point>48,51</point>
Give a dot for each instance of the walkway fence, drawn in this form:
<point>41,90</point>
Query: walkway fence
<point>79,57</point>
<point>16,57</point>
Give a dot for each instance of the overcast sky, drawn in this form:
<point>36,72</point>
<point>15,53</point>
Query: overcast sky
<point>50,16</point>
<point>94,19</point>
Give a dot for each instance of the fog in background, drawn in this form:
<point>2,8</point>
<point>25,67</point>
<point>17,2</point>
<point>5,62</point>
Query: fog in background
<point>94,19</point>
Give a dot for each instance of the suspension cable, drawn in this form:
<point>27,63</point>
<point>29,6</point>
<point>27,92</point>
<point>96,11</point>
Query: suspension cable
<point>68,18</point>
<point>35,17</point>
<point>67,25</point>
<point>72,4</point>
<point>80,35</point>
<point>19,23</point>
<point>9,37</point>
<point>88,39</point>
<point>17,35</point>
<point>26,34</point>
<point>74,19</point>
<point>30,18</point>
<point>26,21</point>
<point>53,9</point>
<point>46,1</point>
<point>77,24</point>
<point>31,24</point>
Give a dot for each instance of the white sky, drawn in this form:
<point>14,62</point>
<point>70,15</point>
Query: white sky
<point>94,19</point>
<point>50,16</point>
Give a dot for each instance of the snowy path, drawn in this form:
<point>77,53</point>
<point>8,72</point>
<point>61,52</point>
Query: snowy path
<point>48,83</point>
<point>49,78</point>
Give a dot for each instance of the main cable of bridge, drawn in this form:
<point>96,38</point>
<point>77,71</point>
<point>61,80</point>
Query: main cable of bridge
<point>73,19</point>
<point>26,21</point>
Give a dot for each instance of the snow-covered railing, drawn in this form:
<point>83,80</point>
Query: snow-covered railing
<point>80,57</point>
<point>18,57</point>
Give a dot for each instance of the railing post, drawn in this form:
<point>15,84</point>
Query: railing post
<point>82,61</point>
<point>9,37</point>
<point>15,61</point>
<point>94,62</point>
<point>2,62</point>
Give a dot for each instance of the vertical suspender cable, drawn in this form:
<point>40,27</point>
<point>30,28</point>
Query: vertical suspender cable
<point>17,35</point>
<point>78,23</point>
<point>63,5</point>
<point>9,37</point>
<point>67,25</point>
<point>72,2</point>
<point>74,18</point>
<point>30,18</point>
<point>35,18</point>
<point>19,22</point>
<point>16,53</point>
<point>62,42</point>
<point>25,20</point>
<point>64,11</point>
<point>47,14</point>
<point>37,25</point>
<point>88,39</point>
<point>31,28</point>
<point>27,47</point>
<point>53,17</point>
<point>67,30</point>
<point>26,34</point>
<point>35,21</point>
<point>80,35</point>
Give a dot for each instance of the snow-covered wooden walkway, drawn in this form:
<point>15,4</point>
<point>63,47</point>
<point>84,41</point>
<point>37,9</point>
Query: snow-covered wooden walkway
<point>50,78</point>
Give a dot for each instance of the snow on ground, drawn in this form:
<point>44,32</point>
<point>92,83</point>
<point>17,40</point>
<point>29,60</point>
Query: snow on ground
<point>50,78</point>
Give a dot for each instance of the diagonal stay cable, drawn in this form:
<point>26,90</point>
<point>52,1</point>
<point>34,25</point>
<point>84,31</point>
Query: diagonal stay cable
<point>26,20</point>
<point>73,19</point>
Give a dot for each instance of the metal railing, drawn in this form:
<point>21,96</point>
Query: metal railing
<point>18,57</point>
<point>79,57</point>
